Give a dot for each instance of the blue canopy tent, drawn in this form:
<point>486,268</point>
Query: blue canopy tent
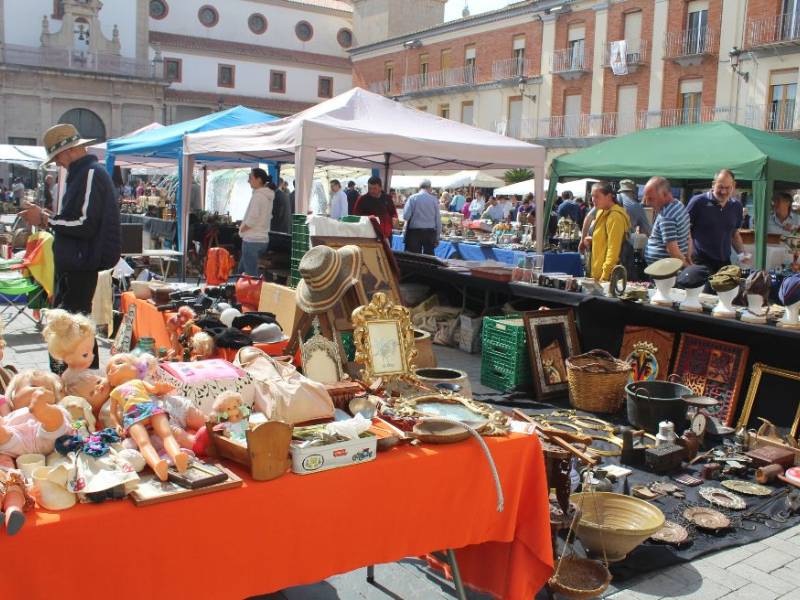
<point>166,144</point>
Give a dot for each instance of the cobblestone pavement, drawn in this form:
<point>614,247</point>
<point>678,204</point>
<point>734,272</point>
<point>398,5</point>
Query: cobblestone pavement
<point>766,570</point>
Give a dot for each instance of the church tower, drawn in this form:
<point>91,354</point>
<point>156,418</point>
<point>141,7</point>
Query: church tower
<point>378,20</point>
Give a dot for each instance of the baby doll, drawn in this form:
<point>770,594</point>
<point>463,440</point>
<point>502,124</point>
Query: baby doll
<point>133,409</point>
<point>36,422</point>
<point>202,346</point>
<point>88,385</point>
<point>14,499</point>
<point>231,414</point>
<point>70,339</point>
<point>80,412</point>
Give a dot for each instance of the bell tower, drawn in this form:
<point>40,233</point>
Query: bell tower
<point>378,20</point>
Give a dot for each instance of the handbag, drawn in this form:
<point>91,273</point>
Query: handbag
<point>281,392</point>
<point>248,290</point>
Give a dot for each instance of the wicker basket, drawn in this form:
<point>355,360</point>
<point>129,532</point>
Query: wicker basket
<point>597,381</point>
<point>579,578</point>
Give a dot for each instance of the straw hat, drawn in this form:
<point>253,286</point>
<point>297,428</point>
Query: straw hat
<point>62,137</point>
<point>326,275</point>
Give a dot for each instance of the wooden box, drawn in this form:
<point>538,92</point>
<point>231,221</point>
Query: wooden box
<point>769,455</point>
<point>266,453</point>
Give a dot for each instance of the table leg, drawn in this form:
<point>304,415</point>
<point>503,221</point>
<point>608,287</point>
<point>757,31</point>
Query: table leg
<point>371,574</point>
<point>461,593</point>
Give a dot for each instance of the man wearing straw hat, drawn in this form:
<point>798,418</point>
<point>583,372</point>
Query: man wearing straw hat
<point>86,231</point>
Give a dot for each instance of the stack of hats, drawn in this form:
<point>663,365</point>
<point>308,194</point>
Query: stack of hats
<point>327,274</point>
<point>726,279</point>
<point>230,330</point>
<point>790,290</point>
<point>693,277</point>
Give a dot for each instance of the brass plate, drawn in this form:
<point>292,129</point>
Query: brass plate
<point>671,533</point>
<point>706,518</point>
<point>746,487</point>
<point>722,498</point>
<point>609,439</point>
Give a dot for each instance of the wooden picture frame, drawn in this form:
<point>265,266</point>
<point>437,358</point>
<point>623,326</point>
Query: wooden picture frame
<point>384,341</point>
<point>152,491</point>
<point>712,368</point>
<point>552,338</point>
<point>377,272</point>
<point>773,394</point>
<point>648,351</point>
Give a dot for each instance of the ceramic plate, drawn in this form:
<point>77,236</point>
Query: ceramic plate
<point>671,533</point>
<point>723,498</point>
<point>746,487</point>
<point>706,518</point>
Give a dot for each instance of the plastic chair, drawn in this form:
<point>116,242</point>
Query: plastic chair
<point>28,282</point>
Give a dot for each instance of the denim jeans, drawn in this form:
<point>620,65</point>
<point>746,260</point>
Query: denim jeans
<point>248,263</point>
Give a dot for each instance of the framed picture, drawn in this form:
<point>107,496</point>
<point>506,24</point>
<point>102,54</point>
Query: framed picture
<point>377,272</point>
<point>384,340</point>
<point>774,395</point>
<point>320,357</point>
<point>712,368</point>
<point>552,338</point>
<point>648,351</point>
<point>151,490</point>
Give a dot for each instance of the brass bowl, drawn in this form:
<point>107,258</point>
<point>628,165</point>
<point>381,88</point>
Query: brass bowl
<point>622,524</point>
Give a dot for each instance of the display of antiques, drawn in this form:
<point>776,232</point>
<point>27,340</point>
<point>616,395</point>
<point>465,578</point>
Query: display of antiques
<point>664,272</point>
<point>648,352</point>
<point>552,338</point>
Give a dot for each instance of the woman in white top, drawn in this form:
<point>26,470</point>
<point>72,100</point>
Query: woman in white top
<point>254,229</point>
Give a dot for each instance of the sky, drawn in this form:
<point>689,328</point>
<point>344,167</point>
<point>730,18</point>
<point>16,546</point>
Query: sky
<point>453,8</point>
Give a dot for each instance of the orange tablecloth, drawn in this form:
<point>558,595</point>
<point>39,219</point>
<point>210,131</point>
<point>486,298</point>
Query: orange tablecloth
<point>295,530</point>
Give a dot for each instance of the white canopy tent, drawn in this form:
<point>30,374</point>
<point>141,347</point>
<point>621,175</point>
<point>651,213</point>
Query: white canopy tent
<point>477,179</point>
<point>362,129</point>
<point>24,156</point>
<point>577,187</point>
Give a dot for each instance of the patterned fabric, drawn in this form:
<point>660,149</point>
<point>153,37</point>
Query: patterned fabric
<point>137,406</point>
<point>140,412</point>
<point>671,225</point>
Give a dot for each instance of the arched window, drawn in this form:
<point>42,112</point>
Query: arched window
<point>88,124</point>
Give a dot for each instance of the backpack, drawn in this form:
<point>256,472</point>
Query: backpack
<point>219,265</point>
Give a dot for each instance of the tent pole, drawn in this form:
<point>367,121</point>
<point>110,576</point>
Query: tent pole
<point>762,191</point>
<point>205,186</point>
<point>538,188</point>
<point>387,157</point>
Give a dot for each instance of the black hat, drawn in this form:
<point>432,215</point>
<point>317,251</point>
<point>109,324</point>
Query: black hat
<point>693,276</point>
<point>254,319</point>
<point>232,338</point>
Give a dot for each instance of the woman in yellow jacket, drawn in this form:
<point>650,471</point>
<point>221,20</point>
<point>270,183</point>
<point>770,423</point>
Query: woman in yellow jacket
<point>611,225</point>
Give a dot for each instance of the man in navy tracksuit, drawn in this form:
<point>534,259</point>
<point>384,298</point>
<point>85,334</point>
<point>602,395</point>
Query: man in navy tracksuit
<point>86,230</point>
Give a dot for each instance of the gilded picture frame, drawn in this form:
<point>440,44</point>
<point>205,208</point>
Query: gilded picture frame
<point>493,422</point>
<point>384,340</point>
<point>755,406</point>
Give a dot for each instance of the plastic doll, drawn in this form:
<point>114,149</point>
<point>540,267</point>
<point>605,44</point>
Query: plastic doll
<point>70,339</point>
<point>14,499</point>
<point>231,414</point>
<point>133,410</point>
<point>36,422</point>
<point>202,346</point>
<point>88,385</point>
<point>178,327</point>
<point>80,412</point>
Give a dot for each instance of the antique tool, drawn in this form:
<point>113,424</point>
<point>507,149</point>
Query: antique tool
<point>768,474</point>
<point>556,438</point>
<point>671,533</point>
<point>746,487</point>
<point>706,518</point>
<point>664,459</point>
<point>722,498</point>
<point>630,455</point>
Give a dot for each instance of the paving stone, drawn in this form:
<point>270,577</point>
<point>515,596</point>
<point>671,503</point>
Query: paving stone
<point>725,577</point>
<point>629,595</point>
<point>707,590</point>
<point>791,596</point>
<point>780,581</point>
<point>768,560</point>
<point>658,585</point>
<point>785,546</point>
<point>730,557</point>
<point>752,591</point>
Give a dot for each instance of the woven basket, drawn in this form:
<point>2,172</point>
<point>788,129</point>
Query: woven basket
<point>597,381</point>
<point>580,578</point>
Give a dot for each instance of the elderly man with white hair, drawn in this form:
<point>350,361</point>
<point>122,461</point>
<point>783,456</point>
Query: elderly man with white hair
<point>423,220</point>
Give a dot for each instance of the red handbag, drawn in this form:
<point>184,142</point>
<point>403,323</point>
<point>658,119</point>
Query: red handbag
<point>248,291</point>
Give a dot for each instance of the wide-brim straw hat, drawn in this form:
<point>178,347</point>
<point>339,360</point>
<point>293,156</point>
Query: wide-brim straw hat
<point>326,274</point>
<point>62,137</point>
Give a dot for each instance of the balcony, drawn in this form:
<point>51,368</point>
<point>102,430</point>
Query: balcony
<point>689,47</point>
<point>449,78</point>
<point>570,63</point>
<point>780,33</point>
<point>91,62</point>
<point>636,54</point>
<point>384,88</point>
<point>512,68</point>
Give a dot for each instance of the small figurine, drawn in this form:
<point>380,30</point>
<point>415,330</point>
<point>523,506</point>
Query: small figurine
<point>133,410</point>
<point>70,339</point>
<point>178,327</point>
<point>202,346</point>
<point>231,414</point>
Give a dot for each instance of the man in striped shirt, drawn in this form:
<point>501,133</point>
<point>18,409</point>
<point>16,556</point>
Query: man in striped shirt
<point>669,237</point>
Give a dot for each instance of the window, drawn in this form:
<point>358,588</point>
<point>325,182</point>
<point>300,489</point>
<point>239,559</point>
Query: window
<point>696,27</point>
<point>226,76</point>
<point>627,96</point>
<point>345,38</point>
<point>388,75</point>
<point>468,113</point>
<point>514,117</point>
<point>783,96</point>
<point>790,20</point>
<point>576,47</point>
<point>208,15</point>
<point>257,23</point>
<point>444,111</point>
<point>158,8</point>
<point>277,82</point>
<point>446,59</point>
<point>325,87</point>
<point>572,115</point>
<point>304,31</point>
<point>423,69</point>
<point>173,69</point>
<point>58,9</point>
<point>633,35</point>
<point>691,96</point>
<point>469,63</point>
<point>519,55</point>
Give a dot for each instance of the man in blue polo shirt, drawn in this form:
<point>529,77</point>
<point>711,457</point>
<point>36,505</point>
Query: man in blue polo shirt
<point>715,221</point>
<point>570,209</point>
<point>423,220</point>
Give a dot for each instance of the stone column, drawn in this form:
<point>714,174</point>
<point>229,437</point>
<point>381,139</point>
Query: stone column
<point>545,101</point>
<point>116,119</point>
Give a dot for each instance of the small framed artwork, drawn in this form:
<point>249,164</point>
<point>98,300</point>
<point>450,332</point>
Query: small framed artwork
<point>774,395</point>
<point>552,338</point>
<point>648,352</point>
<point>153,491</point>
<point>321,359</point>
<point>712,368</point>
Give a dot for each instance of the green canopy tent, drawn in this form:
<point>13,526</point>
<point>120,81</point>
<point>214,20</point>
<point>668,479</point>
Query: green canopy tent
<point>692,153</point>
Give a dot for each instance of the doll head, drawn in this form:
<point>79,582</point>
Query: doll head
<point>79,410</point>
<point>23,385</point>
<point>202,346</point>
<point>87,385</point>
<point>70,338</point>
<point>125,367</point>
<point>229,407</point>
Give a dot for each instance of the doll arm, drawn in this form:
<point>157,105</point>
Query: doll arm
<point>48,414</point>
<point>5,406</point>
<point>159,389</point>
<point>115,413</point>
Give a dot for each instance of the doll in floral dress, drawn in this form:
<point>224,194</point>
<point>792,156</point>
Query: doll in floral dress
<point>133,410</point>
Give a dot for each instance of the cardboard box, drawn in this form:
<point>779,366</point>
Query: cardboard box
<point>313,459</point>
<point>279,300</point>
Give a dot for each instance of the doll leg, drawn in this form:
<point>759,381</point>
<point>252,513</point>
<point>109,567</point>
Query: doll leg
<point>139,434</point>
<point>47,414</point>
<point>12,505</point>
<point>161,427</point>
<point>183,437</point>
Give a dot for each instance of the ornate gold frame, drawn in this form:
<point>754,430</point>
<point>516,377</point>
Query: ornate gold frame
<point>752,390</point>
<point>497,422</point>
<point>383,310</point>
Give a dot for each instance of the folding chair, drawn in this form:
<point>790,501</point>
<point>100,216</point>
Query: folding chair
<point>30,281</point>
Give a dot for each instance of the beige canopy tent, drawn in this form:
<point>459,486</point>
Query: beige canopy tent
<point>362,129</point>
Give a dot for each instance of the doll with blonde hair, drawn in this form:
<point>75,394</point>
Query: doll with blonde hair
<point>70,339</point>
<point>133,410</point>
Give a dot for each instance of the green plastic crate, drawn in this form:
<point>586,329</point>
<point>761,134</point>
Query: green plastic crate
<point>502,379</point>
<point>508,331</point>
<point>516,360</point>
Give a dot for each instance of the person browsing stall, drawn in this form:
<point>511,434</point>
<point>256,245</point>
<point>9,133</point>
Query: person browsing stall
<point>352,196</point>
<point>715,221</point>
<point>494,211</point>
<point>782,220</point>
<point>423,220</point>
<point>628,194</point>
<point>569,208</point>
<point>338,201</point>
<point>611,226</point>
<point>669,237</point>
<point>254,229</point>
<point>376,203</point>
